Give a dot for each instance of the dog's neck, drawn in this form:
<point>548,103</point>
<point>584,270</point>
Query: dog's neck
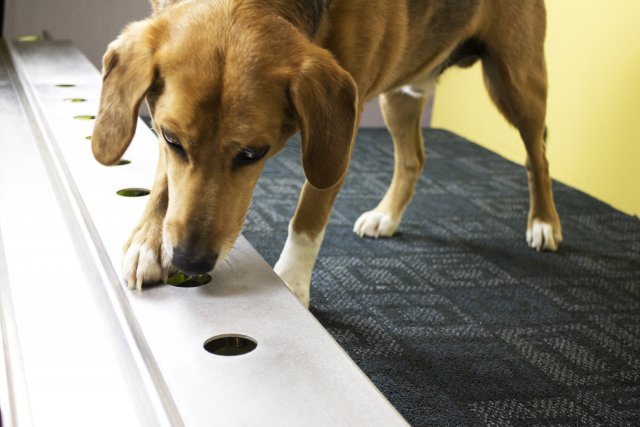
<point>303,14</point>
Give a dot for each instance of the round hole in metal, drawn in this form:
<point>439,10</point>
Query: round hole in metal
<point>122,162</point>
<point>84,117</point>
<point>230,345</point>
<point>65,85</point>
<point>74,100</point>
<point>133,192</point>
<point>182,280</point>
<point>29,38</point>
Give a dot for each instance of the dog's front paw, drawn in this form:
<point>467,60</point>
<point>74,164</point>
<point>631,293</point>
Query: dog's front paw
<point>146,259</point>
<point>299,282</point>
<point>543,235</point>
<point>296,263</point>
<point>376,224</point>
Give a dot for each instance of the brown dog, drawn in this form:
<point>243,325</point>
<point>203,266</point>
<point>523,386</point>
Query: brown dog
<point>229,81</point>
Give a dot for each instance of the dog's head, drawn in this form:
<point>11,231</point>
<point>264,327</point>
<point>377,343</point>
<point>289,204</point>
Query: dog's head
<point>226,88</point>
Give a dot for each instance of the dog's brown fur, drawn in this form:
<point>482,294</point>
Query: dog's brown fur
<point>227,74</point>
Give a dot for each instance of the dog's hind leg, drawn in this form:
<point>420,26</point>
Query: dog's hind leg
<point>516,78</point>
<point>402,111</point>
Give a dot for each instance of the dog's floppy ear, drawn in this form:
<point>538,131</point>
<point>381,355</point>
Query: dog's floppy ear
<point>325,99</point>
<point>127,74</point>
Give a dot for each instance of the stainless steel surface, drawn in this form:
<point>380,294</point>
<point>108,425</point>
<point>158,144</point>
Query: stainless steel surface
<point>145,348</point>
<point>61,363</point>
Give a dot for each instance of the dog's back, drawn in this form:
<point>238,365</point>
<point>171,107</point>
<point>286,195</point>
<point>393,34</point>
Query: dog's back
<point>389,44</point>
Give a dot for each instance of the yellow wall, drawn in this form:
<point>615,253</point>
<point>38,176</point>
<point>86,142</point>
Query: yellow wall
<point>593,115</point>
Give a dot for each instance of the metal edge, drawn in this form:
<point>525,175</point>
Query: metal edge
<point>14,395</point>
<point>159,407</point>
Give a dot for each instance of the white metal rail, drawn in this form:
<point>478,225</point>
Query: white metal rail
<point>79,348</point>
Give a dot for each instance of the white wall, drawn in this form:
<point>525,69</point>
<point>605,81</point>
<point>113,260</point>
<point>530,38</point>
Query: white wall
<point>92,24</point>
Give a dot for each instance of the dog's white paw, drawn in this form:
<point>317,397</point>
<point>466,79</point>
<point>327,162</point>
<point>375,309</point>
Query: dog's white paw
<point>376,224</point>
<point>543,236</point>
<point>145,259</point>
<point>298,281</point>
<point>296,263</point>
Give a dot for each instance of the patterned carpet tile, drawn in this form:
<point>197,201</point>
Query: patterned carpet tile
<point>455,319</point>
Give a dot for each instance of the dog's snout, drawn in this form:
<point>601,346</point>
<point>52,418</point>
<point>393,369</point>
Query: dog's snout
<point>193,262</point>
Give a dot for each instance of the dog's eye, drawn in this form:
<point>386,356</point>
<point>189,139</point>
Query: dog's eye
<point>171,138</point>
<point>249,154</point>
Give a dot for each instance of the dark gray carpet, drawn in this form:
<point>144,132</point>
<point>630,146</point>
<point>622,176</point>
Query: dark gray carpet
<point>455,319</point>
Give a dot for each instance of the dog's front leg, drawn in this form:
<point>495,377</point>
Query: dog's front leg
<point>306,232</point>
<point>146,259</point>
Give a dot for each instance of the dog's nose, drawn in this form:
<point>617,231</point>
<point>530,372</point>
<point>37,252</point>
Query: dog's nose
<point>193,263</point>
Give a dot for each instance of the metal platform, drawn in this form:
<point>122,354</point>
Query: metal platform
<point>79,347</point>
